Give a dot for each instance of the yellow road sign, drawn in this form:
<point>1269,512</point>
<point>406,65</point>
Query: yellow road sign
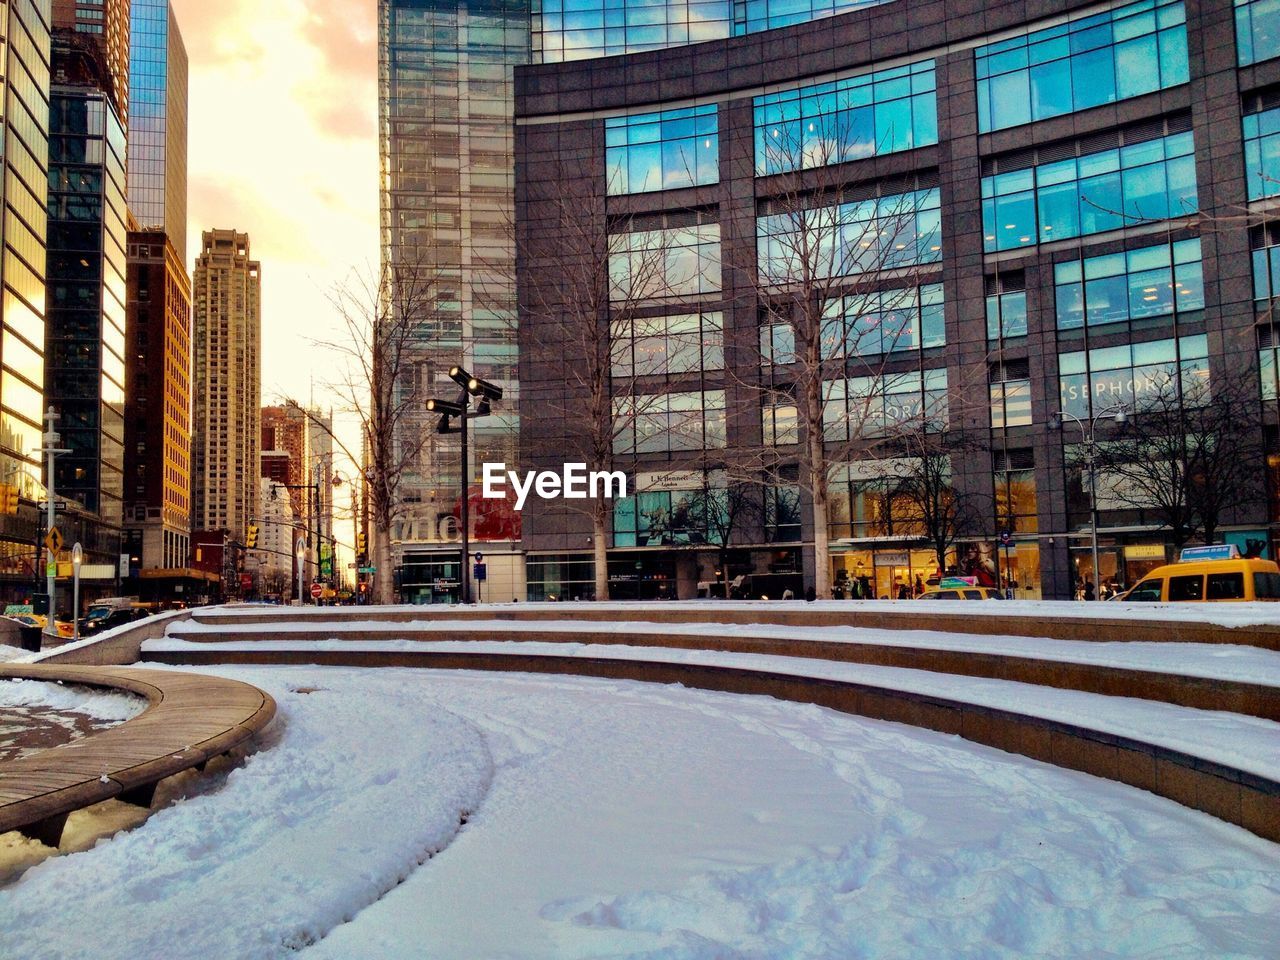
<point>54,541</point>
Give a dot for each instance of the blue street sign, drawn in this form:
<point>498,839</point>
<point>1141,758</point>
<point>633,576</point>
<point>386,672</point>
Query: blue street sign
<point>480,572</point>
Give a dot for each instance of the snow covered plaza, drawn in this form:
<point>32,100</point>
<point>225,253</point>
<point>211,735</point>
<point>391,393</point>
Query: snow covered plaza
<point>696,781</point>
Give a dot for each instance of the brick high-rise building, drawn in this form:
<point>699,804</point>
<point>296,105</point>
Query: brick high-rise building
<point>285,429</point>
<point>227,384</point>
<point>158,411</point>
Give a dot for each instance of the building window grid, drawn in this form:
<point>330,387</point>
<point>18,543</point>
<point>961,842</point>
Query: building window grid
<point>1097,380</point>
<point>666,150</point>
<point>1257,30</point>
<point>667,345</point>
<point>849,119</point>
<point>869,407</point>
<point>1261,131</point>
<point>1145,283</point>
<point>663,424</point>
<point>886,321</point>
<point>1141,182</point>
<point>1083,63</point>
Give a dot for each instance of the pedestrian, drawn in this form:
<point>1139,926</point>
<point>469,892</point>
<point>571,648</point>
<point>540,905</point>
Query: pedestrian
<point>1088,591</point>
<point>919,587</point>
<point>903,592</point>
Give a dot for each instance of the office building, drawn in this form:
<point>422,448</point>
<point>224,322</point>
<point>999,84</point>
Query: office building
<point>285,429</point>
<point>23,235</point>
<point>85,336</point>
<point>1039,216</point>
<point>103,25</point>
<point>158,122</point>
<point>227,375</point>
<point>445,107</point>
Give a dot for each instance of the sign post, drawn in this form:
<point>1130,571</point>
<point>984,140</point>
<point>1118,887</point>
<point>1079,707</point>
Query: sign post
<point>1006,541</point>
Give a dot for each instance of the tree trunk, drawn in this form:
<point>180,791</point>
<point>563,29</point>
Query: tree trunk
<point>821,550</point>
<point>384,586</point>
<point>600,552</point>
<point>724,570</point>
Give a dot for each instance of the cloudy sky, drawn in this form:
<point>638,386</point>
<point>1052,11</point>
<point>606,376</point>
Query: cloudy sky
<point>283,116</point>
<point>283,113</point>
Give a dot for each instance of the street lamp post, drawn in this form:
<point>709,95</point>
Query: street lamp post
<point>51,450</point>
<point>485,393</point>
<point>1088,429</point>
<point>77,557</point>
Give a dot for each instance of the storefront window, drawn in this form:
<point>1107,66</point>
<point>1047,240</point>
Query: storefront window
<point>1131,374</point>
<point>666,518</point>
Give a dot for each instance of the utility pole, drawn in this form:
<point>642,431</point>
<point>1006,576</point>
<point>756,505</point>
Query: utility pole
<point>51,450</point>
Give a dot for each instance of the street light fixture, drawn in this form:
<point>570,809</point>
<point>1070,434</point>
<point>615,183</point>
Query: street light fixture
<point>472,387</point>
<point>1088,429</point>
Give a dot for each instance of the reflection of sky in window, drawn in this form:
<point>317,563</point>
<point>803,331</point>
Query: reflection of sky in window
<point>579,29</point>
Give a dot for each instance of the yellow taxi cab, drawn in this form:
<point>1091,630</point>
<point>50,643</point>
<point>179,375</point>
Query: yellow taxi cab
<point>65,630</point>
<point>1213,574</point>
<point>958,588</point>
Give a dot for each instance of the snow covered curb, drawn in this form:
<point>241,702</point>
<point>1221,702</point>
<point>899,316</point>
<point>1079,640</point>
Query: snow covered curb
<point>1245,743</point>
<point>1209,661</point>
<point>1254,614</point>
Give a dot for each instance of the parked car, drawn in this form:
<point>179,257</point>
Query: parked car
<point>1231,579</point>
<point>961,593</point>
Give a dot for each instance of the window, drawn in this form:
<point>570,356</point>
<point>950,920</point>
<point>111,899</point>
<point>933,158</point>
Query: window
<point>1120,287</point>
<point>667,346</point>
<point>1257,30</point>
<point>1148,591</point>
<point>848,119</point>
<point>1095,380</point>
<point>1091,193</point>
<point>1224,586</point>
<point>861,236</point>
<point>1086,62</point>
<point>1186,589</point>
<point>780,424</point>
<point>782,514</point>
<point>656,264</point>
<point>667,517</point>
<point>876,406</point>
<point>1262,153</point>
<point>1016,503</point>
<point>1010,395</point>
<point>662,151</point>
<point>1266,586</point>
<point>887,321</point>
<point>777,344</point>
<point>1006,306</point>
<point>669,423</point>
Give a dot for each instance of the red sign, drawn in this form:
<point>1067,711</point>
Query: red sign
<point>246,583</point>
<point>317,591</point>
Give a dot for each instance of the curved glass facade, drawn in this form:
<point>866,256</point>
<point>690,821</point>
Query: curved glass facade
<point>582,29</point>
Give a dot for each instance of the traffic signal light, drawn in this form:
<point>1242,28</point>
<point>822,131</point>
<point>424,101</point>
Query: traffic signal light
<point>8,500</point>
<point>360,545</point>
<point>251,541</point>
<point>364,586</point>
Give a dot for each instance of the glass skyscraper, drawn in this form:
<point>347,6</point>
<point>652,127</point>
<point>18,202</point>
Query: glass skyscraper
<point>445,113</point>
<point>24,42</point>
<point>158,122</point>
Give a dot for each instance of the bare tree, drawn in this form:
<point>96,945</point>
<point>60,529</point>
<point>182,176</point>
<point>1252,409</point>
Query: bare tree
<point>586,291</point>
<point>842,278</point>
<point>723,511</point>
<point>926,490</point>
<point>1188,452</point>
<point>387,318</point>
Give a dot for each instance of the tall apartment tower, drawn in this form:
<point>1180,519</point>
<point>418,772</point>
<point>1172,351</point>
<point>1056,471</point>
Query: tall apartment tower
<point>158,122</point>
<point>24,83</point>
<point>445,114</point>
<point>285,429</point>
<point>227,384</point>
<point>85,339</point>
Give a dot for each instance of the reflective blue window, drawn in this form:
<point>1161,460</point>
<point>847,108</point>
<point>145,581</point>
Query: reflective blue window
<point>1133,374</point>
<point>885,321</point>
<point>1257,30</point>
<point>1083,63</point>
<point>1262,153</point>
<point>662,151</point>
<point>1136,183</point>
<point>847,119</point>
<point>1266,279</point>
<point>1138,284</point>
<point>1007,315</point>
<point>862,236</point>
